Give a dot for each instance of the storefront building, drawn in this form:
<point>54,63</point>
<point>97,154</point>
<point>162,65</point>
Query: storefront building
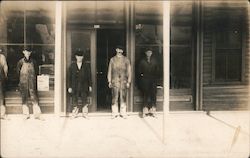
<point>209,50</point>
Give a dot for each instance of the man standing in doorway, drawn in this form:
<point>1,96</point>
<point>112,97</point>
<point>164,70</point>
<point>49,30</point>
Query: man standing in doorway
<point>3,77</point>
<point>119,79</point>
<point>79,84</point>
<point>148,72</point>
<point>27,71</point>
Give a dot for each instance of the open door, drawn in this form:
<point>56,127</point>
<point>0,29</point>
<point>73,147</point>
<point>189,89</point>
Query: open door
<point>107,39</point>
<point>85,40</point>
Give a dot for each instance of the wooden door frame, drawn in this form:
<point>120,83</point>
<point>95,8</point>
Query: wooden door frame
<point>67,61</point>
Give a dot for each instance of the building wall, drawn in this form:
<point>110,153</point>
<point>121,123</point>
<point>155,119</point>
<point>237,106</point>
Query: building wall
<point>227,96</point>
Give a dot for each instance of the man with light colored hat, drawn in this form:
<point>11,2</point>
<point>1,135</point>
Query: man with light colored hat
<point>26,69</point>
<point>119,79</point>
<point>3,77</point>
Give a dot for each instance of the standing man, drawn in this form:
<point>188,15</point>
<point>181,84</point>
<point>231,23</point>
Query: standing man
<point>26,70</point>
<point>79,84</point>
<point>3,77</point>
<point>148,72</point>
<point>119,79</point>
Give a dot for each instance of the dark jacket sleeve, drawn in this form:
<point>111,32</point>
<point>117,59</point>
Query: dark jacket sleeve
<point>36,67</point>
<point>70,77</point>
<point>140,68</point>
<point>19,66</point>
<point>89,75</point>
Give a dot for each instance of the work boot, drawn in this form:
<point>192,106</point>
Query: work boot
<point>114,116</point>
<point>144,112</point>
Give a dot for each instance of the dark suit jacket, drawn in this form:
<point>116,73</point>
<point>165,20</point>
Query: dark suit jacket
<point>79,79</point>
<point>148,74</point>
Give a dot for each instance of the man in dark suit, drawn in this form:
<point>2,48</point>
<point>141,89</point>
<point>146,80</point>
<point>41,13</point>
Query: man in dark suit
<point>79,83</point>
<point>148,72</point>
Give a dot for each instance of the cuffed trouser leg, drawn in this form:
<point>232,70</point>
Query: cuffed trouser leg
<point>75,109</point>
<point>115,95</point>
<point>123,106</point>
<point>85,111</point>
<point>3,111</point>
<point>26,112</point>
<point>114,110</point>
<point>144,111</point>
<point>123,109</point>
<point>36,111</point>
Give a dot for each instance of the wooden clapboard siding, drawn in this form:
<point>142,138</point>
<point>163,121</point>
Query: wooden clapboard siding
<point>13,102</point>
<point>224,97</point>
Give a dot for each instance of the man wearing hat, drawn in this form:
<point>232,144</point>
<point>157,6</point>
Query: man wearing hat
<point>3,77</point>
<point>148,72</point>
<point>26,70</point>
<point>79,83</point>
<point>119,79</point>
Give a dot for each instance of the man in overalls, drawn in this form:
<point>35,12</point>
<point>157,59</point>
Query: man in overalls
<point>26,69</point>
<point>3,77</point>
<point>119,79</point>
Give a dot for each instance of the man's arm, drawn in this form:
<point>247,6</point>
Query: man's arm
<point>70,79</point>
<point>5,66</point>
<point>110,72</point>
<point>19,66</point>
<point>129,72</point>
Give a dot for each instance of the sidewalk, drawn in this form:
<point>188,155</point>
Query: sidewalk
<point>189,135</point>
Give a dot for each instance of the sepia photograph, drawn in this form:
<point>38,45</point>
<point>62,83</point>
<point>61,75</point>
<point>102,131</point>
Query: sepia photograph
<point>125,79</point>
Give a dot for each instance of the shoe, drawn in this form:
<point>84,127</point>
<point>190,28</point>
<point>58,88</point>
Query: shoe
<point>85,116</point>
<point>124,116</point>
<point>74,112</point>
<point>145,112</point>
<point>153,115</point>
<point>39,118</point>
<point>114,116</point>
<point>26,117</point>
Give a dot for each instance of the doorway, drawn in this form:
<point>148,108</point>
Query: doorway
<point>99,46</point>
<point>107,40</point>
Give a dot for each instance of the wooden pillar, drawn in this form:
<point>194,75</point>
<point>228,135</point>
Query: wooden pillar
<point>199,55</point>
<point>130,47</point>
<point>166,65</point>
<point>58,99</point>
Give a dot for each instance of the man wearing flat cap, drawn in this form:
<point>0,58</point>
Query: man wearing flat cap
<point>119,79</point>
<point>27,72</point>
<point>79,84</point>
<point>148,72</point>
<point>3,77</point>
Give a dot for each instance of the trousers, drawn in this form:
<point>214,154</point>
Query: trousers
<point>119,93</point>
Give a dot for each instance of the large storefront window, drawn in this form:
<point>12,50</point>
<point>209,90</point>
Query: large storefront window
<point>181,43</point>
<point>149,35</point>
<point>28,24</point>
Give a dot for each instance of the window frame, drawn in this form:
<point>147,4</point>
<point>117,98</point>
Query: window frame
<point>243,49</point>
